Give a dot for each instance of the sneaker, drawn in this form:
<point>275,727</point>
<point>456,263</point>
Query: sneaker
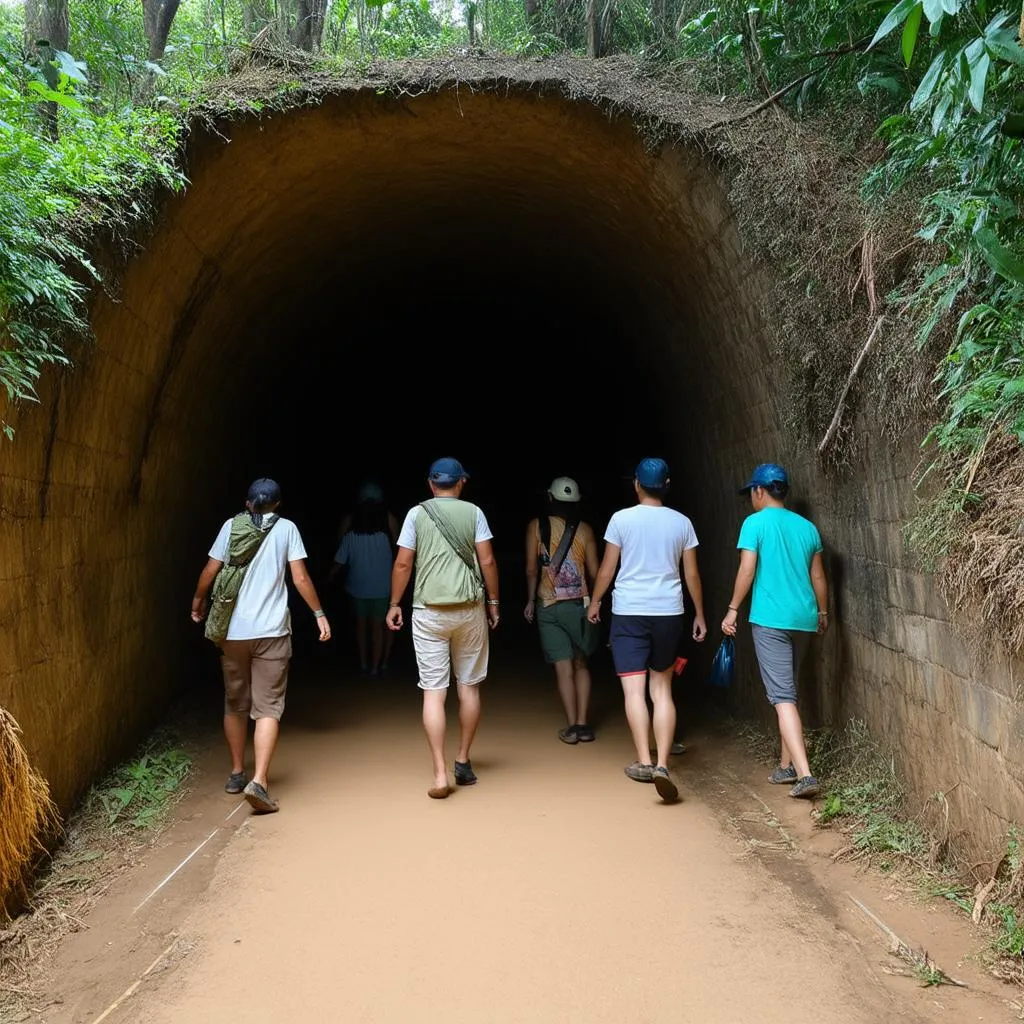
<point>585,733</point>
<point>640,772</point>
<point>464,774</point>
<point>259,799</point>
<point>236,782</point>
<point>677,748</point>
<point>806,787</point>
<point>783,776</point>
<point>570,734</point>
<point>665,785</point>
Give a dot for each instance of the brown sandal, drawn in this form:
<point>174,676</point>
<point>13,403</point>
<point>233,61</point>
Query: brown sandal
<point>439,792</point>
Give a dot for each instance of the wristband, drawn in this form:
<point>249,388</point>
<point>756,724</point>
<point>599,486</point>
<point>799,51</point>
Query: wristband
<point>733,609</point>
<point>493,601</point>
<point>822,615</point>
<point>320,613</point>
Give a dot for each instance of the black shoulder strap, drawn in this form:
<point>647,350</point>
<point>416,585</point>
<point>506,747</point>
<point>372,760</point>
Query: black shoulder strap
<point>568,534</point>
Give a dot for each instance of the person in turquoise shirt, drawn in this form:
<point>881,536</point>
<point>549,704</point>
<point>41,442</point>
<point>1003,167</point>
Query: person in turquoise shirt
<point>781,561</point>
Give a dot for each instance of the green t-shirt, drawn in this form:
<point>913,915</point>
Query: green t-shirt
<point>785,543</point>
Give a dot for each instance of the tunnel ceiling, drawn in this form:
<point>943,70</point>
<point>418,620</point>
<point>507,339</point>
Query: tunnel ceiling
<point>365,224</point>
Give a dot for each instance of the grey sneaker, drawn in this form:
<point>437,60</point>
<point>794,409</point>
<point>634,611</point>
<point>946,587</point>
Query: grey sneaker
<point>259,799</point>
<point>806,787</point>
<point>665,785</point>
<point>236,782</point>
<point>783,776</point>
<point>640,772</point>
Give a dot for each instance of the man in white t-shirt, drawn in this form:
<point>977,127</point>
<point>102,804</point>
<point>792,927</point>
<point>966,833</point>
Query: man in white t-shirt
<point>448,542</point>
<point>648,613</point>
<point>257,649</point>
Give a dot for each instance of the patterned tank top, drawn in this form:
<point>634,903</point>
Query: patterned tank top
<point>570,583</point>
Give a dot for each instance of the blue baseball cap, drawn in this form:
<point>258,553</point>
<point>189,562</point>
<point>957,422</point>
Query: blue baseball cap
<point>447,472</point>
<point>765,475</point>
<point>652,473</point>
<point>264,492</point>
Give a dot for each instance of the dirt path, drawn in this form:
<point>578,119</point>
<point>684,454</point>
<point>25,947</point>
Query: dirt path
<point>555,890</point>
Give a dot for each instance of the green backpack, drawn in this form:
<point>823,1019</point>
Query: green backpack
<point>244,542</point>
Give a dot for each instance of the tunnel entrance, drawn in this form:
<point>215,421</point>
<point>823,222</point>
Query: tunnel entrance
<point>350,289</point>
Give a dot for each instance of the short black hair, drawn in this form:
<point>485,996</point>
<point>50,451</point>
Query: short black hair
<point>777,489</point>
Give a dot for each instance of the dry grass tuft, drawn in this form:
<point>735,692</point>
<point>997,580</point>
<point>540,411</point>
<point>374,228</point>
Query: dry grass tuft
<point>28,817</point>
<point>982,575</point>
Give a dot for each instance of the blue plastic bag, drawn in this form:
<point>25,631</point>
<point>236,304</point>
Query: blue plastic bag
<point>721,667</point>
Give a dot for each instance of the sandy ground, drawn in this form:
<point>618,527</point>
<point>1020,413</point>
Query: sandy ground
<point>554,890</point>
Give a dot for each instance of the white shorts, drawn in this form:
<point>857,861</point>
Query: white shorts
<point>447,639</point>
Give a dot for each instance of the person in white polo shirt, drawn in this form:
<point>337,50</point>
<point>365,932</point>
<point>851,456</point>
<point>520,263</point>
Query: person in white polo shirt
<point>654,543</point>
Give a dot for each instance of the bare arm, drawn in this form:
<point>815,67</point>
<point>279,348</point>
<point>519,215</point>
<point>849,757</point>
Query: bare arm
<point>590,556</point>
<point>820,585</point>
<point>693,584</point>
<point>605,575</point>
<point>740,589</point>
<point>531,569</point>
<point>489,567</point>
<point>201,597</point>
<point>401,573</point>
<point>304,585</point>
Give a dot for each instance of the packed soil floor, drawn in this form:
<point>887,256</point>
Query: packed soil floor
<point>554,890</point>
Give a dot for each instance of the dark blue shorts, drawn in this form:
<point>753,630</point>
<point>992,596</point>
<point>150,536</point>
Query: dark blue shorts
<point>642,642</point>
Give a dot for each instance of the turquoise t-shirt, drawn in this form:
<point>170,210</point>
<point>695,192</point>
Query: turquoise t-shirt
<point>785,543</point>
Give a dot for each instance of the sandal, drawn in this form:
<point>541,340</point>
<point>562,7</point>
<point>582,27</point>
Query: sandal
<point>439,793</point>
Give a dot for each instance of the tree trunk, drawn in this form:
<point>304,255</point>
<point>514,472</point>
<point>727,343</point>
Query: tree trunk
<point>47,28</point>
<point>599,27</point>
<point>309,25</point>
<point>157,18</point>
<point>471,22</point>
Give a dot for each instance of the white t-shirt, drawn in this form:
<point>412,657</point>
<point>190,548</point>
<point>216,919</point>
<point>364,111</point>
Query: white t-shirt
<point>652,539</point>
<point>262,606</point>
<point>407,536</point>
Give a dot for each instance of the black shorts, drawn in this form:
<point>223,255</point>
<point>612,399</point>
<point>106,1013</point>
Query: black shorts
<point>642,642</point>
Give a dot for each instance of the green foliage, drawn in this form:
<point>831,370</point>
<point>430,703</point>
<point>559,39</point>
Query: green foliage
<point>137,793</point>
<point>49,189</point>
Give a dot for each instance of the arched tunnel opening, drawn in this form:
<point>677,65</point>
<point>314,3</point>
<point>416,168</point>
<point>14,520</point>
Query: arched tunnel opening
<point>347,291</point>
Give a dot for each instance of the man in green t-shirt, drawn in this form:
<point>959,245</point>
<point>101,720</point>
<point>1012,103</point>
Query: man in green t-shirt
<point>781,560</point>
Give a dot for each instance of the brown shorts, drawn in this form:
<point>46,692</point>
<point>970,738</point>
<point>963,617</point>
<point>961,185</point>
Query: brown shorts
<point>255,676</point>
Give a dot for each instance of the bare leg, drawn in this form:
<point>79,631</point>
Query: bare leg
<point>792,731</point>
<point>664,714</point>
<point>377,640</point>
<point>266,742</point>
<point>361,644</point>
<point>469,717</point>
<point>581,679</point>
<point>435,725</point>
<point>785,757</point>
<point>566,690</point>
<point>634,689</point>
<point>236,729</point>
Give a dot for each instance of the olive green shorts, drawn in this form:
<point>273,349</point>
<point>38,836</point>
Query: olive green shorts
<point>565,631</point>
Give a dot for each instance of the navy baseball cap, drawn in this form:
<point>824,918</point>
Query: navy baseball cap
<point>264,491</point>
<point>652,473</point>
<point>765,475</point>
<point>447,472</point>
